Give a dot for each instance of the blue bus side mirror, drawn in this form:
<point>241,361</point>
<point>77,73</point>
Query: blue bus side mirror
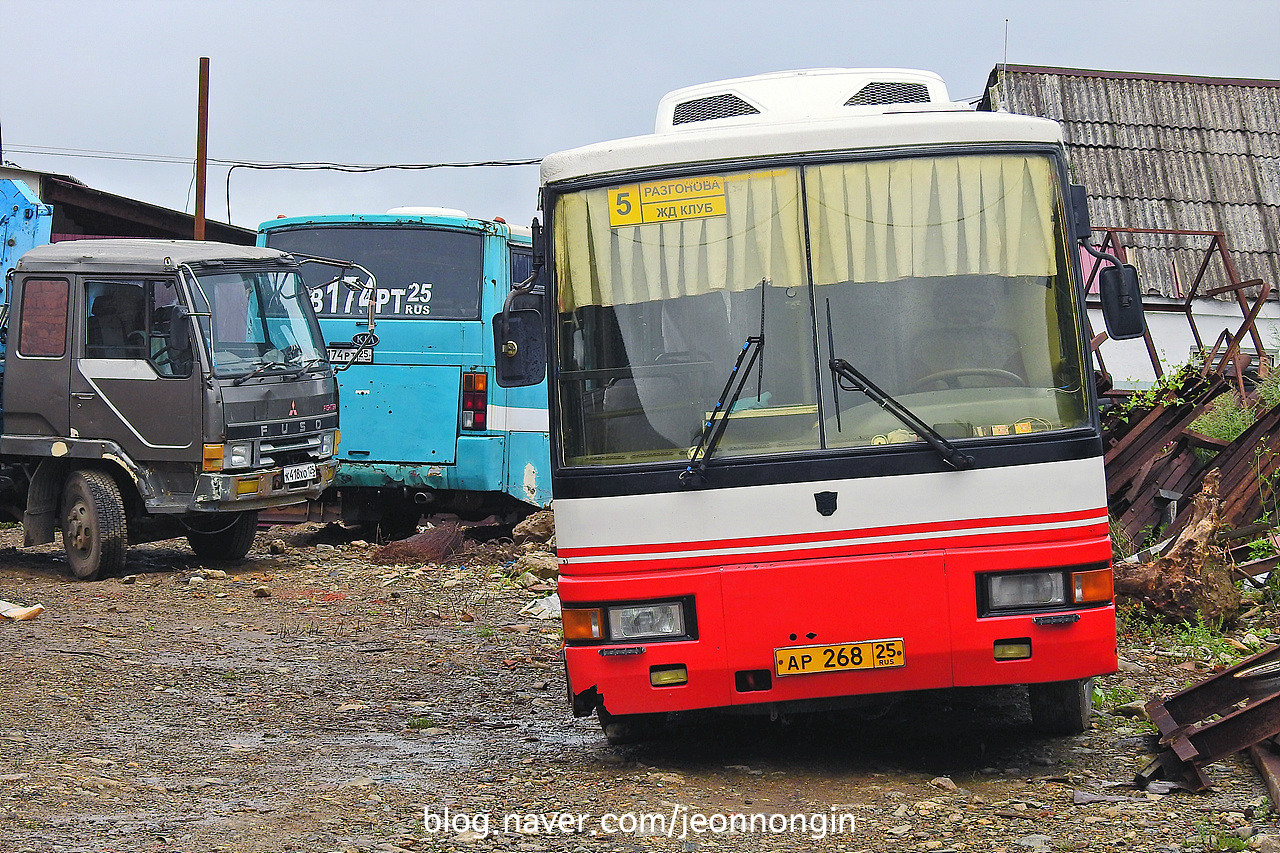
<point>519,347</point>
<point>1121,302</point>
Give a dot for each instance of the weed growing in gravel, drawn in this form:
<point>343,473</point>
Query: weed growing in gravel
<point>1113,697</point>
<point>422,721</point>
<point>1215,838</point>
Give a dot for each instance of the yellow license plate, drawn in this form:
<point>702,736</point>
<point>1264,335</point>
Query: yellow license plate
<point>870,654</point>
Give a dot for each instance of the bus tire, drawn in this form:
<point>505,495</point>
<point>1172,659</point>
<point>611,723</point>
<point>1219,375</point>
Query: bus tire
<point>621,729</point>
<point>95,533</point>
<point>1061,707</point>
<point>228,540</point>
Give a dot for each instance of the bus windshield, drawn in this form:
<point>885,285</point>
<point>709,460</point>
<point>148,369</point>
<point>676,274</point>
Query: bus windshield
<point>946,280</point>
<point>259,324</point>
<point>422,272</point>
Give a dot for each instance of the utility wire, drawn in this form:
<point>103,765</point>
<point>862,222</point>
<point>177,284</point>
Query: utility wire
<point>232,165</point>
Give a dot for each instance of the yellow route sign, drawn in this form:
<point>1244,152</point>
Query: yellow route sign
<point>667,201</point>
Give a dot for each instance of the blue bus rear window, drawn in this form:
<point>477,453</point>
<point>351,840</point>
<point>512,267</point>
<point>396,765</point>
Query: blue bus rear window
<point>421,272</point>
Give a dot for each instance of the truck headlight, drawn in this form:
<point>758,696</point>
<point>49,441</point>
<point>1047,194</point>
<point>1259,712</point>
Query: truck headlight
<point>646,621</point>
<point>238,455</point>
<point>327,443</point>
<point>1026,589</point>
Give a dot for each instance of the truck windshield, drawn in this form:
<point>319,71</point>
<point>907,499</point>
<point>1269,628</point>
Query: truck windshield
<point>947,281</point>
<point>260,321</point>
<point>422,271</point>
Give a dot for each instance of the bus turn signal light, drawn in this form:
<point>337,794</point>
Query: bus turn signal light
<point>583,624</point>
<point>1091,587</point>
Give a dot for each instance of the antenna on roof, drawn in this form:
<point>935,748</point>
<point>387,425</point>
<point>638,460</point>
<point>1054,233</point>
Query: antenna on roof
<point>1004,66</point>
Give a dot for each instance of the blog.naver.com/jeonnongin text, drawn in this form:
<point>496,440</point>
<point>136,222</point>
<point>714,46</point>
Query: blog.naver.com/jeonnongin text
<point>678,822</point>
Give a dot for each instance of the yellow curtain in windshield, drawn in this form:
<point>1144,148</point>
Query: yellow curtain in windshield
<point>887,220</point>
<point>756,235</point>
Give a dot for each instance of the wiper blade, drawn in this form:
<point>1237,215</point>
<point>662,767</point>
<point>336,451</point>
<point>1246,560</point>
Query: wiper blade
<point>309,364</point>
<point>713,428</point>
<point>240,380</point>
<point>952,455</point>
<point>841,369</point>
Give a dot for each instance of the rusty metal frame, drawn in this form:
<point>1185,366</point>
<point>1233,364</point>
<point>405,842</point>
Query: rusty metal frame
<point>1211,720</point>
<point>1232,354</point>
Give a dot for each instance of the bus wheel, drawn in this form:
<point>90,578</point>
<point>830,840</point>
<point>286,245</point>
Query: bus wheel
<point>94,530</point>
<point>622,729</point>
<point>1061,707</point>
<point>225,539</point>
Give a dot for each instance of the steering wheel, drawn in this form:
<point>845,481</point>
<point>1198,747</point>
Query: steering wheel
<point>950,378</point>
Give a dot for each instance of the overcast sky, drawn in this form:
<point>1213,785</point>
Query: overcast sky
<point>367,82</point>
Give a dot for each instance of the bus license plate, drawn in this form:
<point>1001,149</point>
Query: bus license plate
<point>350,355</point>
<point>300,473</point>
<point>870,654</point>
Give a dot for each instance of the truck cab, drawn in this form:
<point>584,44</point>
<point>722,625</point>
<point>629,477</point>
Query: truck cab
<point>156,388</point>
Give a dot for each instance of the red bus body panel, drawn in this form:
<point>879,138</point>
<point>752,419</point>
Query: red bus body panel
<point>927,597</point>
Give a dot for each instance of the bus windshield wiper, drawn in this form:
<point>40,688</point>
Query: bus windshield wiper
<point>841,369</point>
<point>713,428</point>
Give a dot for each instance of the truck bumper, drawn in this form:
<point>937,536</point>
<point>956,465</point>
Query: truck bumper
<point>253,490</point>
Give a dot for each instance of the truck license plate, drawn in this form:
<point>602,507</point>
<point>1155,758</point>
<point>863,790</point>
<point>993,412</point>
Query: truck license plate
<point>350,355</point>
<point>300,473</point>
<point>870,654</point>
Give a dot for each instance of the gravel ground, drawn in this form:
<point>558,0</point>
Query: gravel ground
<point>311,700</point>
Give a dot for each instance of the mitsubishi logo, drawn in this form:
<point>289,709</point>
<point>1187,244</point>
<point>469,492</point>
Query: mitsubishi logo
<point>293,408</point>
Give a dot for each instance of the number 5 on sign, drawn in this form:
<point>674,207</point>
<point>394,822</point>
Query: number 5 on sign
<point>624,206</point>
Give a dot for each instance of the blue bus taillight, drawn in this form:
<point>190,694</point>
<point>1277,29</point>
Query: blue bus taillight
<point>475,400</point>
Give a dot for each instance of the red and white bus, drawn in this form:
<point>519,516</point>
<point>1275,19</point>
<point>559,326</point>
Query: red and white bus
<point>822,417</point>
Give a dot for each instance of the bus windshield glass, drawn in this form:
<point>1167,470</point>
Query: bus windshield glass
<point>946,280</point>
<point>258,322</point>
<point>422,272</point>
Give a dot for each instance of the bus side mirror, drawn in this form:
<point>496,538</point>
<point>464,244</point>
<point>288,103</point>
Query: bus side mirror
<point>519,348</point>
<point>1121,302</point>
<point>1080,212</point>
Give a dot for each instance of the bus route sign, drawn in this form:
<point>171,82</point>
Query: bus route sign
<point>667,201</point>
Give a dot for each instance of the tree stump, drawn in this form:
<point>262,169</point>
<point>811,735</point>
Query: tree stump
<point>1193,579</point>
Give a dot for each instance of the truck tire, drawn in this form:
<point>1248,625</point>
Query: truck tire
<point>227,539</point>
<point>95,532</point>
<point>1061,707</point>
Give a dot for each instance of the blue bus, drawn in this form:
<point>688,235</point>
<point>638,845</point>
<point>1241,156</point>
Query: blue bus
<point>425,428</point>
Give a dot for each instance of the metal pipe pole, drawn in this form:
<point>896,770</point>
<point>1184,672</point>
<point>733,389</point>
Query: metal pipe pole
<point>202,145</point>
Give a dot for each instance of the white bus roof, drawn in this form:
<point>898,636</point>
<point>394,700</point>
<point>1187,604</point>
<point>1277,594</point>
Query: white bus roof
<point>799,112</point>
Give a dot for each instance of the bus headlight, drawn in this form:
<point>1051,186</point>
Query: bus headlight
<point>1026,589</point>
<point>646,621</point>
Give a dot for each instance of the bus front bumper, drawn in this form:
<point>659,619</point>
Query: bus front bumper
<point>914,616</point>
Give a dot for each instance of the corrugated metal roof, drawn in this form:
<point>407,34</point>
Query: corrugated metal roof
<point>1166,151</point>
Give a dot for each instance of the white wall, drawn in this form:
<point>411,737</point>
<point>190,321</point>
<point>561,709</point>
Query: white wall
<point>1129,364</point>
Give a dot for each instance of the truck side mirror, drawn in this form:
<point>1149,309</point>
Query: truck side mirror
<point>179,329</point>
<point>519,347</point>
<point>1121,302</point>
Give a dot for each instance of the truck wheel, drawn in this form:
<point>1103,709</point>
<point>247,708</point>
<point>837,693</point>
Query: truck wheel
<point>94,529</point>
<point>226,539</point>
<point>621,729</point>
<point>399,522</point>
<point>1061,707</point>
